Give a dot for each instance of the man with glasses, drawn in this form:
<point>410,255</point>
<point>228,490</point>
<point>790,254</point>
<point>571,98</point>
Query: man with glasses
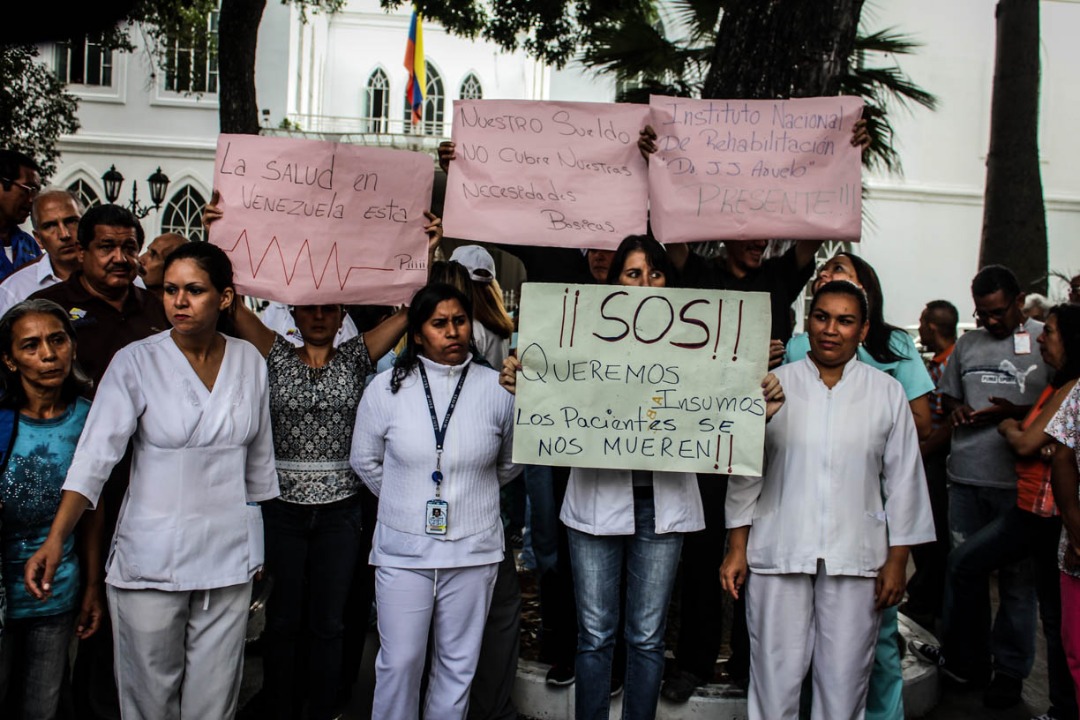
<point>55,217</point>
<point>20,182</point>
<point>995,372</point>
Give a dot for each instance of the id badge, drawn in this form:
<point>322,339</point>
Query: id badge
<point>1022,343</point>
<point>436,517</point>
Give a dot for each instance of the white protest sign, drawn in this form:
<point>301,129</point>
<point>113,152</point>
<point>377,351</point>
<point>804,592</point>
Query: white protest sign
<point>641,378</point>
<point>755,169</point>
<point>547,173</point>
<point>310,222</point>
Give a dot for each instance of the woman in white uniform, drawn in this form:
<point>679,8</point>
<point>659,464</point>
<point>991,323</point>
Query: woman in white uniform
<point>433,440</point>
<point>193,403</point>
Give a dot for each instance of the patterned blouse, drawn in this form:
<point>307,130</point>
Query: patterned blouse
<point>1065,428</point>
<point>313,411</point>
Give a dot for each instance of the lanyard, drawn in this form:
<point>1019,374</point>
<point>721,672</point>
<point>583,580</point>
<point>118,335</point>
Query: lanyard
<point>440,433</point>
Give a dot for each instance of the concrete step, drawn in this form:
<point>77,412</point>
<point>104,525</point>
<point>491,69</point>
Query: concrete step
<point>539,701</point>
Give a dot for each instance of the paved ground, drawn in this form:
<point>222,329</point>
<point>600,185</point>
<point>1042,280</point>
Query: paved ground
<point>954,704</point>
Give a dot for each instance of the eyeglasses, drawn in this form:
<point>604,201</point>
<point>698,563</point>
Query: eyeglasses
<point>997,314</point>
<point>31,190</point>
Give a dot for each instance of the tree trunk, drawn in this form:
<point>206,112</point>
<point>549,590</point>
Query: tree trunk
<point>1014,218</point>
<point>238,35</point>
<point>782,48</point>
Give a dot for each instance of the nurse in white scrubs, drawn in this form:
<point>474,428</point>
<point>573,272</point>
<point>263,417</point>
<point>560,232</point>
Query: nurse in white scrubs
<point>193,403</point>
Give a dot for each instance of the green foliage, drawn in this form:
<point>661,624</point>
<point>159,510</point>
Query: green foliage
<point>881,86</point>
<point>549,30</point>
<point>647,58</point>
<point>35,109</point>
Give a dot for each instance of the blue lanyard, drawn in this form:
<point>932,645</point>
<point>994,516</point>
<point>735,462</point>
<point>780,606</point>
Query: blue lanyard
<point>440,433</point>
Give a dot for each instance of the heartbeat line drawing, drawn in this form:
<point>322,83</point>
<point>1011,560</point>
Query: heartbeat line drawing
<point>332,257</point>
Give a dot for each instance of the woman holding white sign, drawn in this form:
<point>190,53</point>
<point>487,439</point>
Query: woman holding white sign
<point>439,536</point>
<point>632,518</point>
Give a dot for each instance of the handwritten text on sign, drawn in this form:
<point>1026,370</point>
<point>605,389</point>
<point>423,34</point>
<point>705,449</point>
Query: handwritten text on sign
<point>641,378</point>
<point>316,222</point>
<point>547,173</point>
<point>751,169</point>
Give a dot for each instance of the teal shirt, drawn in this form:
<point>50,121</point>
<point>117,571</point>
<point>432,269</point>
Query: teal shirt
<point>30,491</point>
<point>909,370</point>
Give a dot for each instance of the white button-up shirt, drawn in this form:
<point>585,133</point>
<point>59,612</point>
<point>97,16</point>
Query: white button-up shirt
<point>844,479</point>
<point>26,281</point>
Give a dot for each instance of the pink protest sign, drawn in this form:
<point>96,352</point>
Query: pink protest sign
<point>546,173</point>
<point>750,169</point>
<point>311,222</point>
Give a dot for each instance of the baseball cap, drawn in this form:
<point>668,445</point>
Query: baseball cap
<point>477,261</point>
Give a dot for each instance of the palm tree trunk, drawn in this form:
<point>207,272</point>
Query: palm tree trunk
<point>238,36</point>
<point>782,48</point>
<point>1014,217</point>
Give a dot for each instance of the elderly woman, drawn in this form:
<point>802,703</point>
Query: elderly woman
<point>439,537</point>
<point>193,403</point>
<point>44,402</point>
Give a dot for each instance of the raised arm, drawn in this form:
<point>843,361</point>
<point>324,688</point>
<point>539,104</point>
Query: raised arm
<point>249,327</point>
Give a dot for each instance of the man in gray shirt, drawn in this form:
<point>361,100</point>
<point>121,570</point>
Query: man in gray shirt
<point>994,373</point>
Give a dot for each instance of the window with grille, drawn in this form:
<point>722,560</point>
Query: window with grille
<point>434,96</point>
<point>471,89</point>
<point>377,102</point>
<point>84,61</point>
<point>191,61</point>
<point>183,214</point>
<point>85,192</point>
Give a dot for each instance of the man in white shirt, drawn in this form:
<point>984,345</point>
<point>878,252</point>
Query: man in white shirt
<point>55,215</point>
<point>824,535</point>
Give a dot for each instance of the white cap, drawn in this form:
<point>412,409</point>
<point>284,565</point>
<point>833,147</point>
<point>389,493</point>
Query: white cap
<point>477,261</point>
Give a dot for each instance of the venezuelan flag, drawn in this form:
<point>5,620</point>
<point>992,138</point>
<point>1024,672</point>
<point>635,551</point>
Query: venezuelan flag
<point>414,63</point>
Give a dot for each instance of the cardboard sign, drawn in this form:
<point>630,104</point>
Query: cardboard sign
<point>310,222</point>
<point>547,173</point>
<point>755,169</point>
<point>641,378</point>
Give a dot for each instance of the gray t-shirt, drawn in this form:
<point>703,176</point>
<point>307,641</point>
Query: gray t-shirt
<point>982,367</point>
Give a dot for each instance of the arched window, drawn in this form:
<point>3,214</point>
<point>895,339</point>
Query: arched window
<point>471,89</point>
<point>85,192</point>
<point>434,96</point>
<point>183,214</point>
<point>377,102</point>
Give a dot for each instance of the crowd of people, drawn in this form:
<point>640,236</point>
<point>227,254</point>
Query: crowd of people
<point>163,447</point>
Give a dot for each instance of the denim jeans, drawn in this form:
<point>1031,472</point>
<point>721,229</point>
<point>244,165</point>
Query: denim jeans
<point>33,660</point>
<point>976,515</point>
<point>597,560</point>
<point>1014,536</point>
<point>543,517</point>
<point>311,555</point>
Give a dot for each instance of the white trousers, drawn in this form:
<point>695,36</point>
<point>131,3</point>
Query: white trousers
<point>795,618</point>
<point>454,603</point>
<point>179,654</point>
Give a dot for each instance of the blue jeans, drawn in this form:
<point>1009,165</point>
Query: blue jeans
<point>597,560</point>
<point>543,517</point>
<point>33,660</point>
<point>970,643</point>
<point>311,556</point>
